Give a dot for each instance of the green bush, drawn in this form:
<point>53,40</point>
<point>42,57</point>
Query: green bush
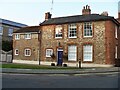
<point>7,45</point>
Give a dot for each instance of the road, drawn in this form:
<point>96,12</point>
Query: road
<point>59,81</point>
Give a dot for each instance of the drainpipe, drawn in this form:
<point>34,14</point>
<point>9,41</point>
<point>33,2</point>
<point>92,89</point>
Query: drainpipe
<point>39,39</point>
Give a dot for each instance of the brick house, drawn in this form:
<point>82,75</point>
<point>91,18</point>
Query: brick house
<point>26,43</point>
<point>91,38</point>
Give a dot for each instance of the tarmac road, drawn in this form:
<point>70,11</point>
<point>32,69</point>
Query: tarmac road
<point>10,80</point>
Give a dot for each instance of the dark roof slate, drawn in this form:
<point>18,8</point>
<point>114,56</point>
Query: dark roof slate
<point>78,18</point>
<point>28,29</point>
<point>12,23</point>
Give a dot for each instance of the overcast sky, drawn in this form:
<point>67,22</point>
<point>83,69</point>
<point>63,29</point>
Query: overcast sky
<point>32,12</point>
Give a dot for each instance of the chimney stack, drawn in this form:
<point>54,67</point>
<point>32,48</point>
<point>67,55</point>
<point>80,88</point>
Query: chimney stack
<point>105,13</point>
<point>86,10</point>
<point>47,15</point>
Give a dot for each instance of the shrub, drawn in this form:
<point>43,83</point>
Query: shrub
<point>52,64</point>
<point>64,65</point>
<point>7,45</point>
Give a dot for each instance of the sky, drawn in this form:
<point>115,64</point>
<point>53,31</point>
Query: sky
<point>32,12</point>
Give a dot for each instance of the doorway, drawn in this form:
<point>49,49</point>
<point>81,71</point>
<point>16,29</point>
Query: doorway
<point>59,56</point>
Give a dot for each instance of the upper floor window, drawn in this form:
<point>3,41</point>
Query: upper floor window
<point>72,31</point>
<point>17,36</point>
<point>49,52</point>
<point>116,30</point>
<point>58,31</point>
<point>1,30</point>
<point>88,29</point>
<point>28,36</point>
<point>10,31</point>
<point>27,52</point>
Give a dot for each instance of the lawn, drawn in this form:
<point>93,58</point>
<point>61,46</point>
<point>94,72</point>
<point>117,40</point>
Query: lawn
<point>29,66</point>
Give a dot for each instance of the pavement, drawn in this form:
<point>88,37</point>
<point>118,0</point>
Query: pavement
<point>61,71</point>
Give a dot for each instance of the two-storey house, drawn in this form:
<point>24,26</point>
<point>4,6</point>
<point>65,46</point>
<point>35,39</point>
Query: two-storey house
<point>92,39</point>
<point>26,44</point>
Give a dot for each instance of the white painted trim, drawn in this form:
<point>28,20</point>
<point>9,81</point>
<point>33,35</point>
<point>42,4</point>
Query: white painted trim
<point>25,52</point>
<point>15,52</point>
<point>17,36</point>
<point>59,49</point>
<point>68,63</point>
<point>46,52</point>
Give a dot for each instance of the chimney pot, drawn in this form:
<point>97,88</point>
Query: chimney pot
<point>86,10</point>
<point>105,13</point>
<point>84,7</point>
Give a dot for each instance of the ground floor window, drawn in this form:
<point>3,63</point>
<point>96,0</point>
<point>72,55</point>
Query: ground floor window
<point>49,52</point>
<point>16,52</point>
<point>87,52</point>
<point>27,52</point>
<point>72,53</point>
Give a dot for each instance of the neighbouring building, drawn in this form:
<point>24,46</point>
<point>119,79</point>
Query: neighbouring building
<point>26,43</point>
<point>7,28</point>
<point>92,39</point>
<point>118,12</point>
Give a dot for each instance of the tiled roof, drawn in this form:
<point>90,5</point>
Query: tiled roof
<point>78,18</point>
<point>28,29</point>
<point>12,23</point>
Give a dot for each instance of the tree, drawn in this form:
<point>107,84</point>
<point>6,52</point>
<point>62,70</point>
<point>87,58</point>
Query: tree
<point>7,45</point>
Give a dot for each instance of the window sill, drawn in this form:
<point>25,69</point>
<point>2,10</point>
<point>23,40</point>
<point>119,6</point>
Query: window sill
<point>72,37</point>
<point>27,38</point>
<point>87,36</point>
<point>27,55</point>
<point>17,39</point>
<point>58,37</point>
<point>48,56</point>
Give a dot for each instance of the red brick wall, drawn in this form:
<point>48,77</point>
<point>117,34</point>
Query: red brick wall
<point>98,41</point>
<point>110,42</point>
<point>119,43</point>
<point>23,44</point>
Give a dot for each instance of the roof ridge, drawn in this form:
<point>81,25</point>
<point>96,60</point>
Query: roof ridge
<point>73,16</point>
<point>77,18</point>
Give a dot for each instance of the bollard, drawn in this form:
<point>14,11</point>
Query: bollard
<point>79,63</point>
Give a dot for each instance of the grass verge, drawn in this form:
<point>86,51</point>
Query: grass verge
<point>28,66</point>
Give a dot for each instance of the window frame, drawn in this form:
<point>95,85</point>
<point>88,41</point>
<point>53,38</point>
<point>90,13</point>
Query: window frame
<point>1,28</point>
<point>10,29</point>
<point>88,53</point>
<point>56,28</point>
<point>116,32</point>
<point>17,36</point>
<point>70,27</point>
<point>89,24</point>
<point>26,53</point>
<point>74,53</point>
<point>16,51</point>
<point>116,52</point>
<point>27,35</point>
<point>46,53</point>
